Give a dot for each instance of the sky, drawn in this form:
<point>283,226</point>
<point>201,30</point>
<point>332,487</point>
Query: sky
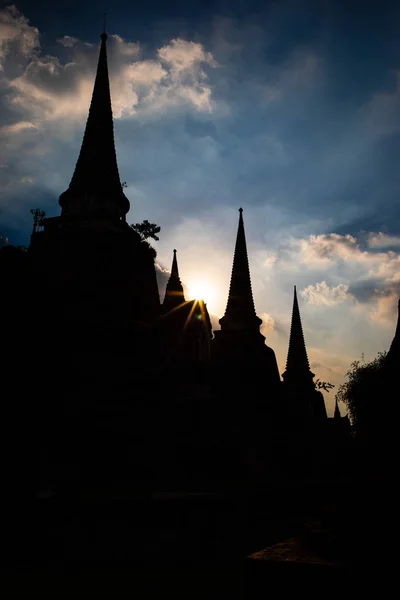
<point>288,109</point>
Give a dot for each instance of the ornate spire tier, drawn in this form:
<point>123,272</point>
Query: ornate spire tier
<point>95,188</point>
<point>304,401</point>
<point>297,365</point>
<point>174,295</point>
<point>239,351</point>
<point>336,414</point>
<point>240,312</point>
<point>393,355</point>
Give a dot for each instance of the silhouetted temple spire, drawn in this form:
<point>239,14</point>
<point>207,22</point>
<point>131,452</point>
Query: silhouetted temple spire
<point>337,414</point>
<point>393,355</point>
<point>174,295</point>
<point>244,363</point>
<point>240,312</point>
<point>95,187</point>
<point>174,269</point>
<point>297,365</point>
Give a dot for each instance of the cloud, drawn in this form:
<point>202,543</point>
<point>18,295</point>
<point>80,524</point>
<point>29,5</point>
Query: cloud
<point>17,127</point>
<point>16,35</point>
<point>268,324</point>
<point>185,56</point>
<point>322,294</point>
<point>386,308</point>
<point>179,77</point>
<point>49,89</point>
<point>266,258</point>
<point>67,41</point>
<point>357,272</point>
<point>324,249</point>
<point>383,240</point>
<point>126,48</point>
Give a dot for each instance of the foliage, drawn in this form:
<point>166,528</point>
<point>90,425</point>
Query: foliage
<point>38,216</point>
<point>149,249</point>
<point>147,230</point>
<point>364,386</point>
<point>323,385</point>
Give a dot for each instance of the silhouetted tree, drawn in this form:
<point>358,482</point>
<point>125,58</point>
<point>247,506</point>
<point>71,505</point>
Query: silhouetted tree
<point>147,230</point>
<point>38,216</point>
<point>323,385</point>
<point>362,392</point>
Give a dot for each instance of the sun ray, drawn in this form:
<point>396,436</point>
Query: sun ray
<point>179,307</point>
<point>190,314</point>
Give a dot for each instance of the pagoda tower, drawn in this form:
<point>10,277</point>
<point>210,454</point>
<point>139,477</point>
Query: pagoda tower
<point>96,302</point>
<point>336,415</point>
<point>393,356</point>
<point>96,274</point>
<point>185,325</point>
<point>304,401</point>
<point>244,364</point>
<point>174,295</point>
<point>389,373</point>
<point>95,190</point>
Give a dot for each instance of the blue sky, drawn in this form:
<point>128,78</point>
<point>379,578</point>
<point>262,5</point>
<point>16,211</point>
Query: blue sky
<point>290,110</point>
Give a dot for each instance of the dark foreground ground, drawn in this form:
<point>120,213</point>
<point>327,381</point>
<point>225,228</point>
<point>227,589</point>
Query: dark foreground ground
<point>237,544</point>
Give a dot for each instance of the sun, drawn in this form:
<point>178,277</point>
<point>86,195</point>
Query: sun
<point>201,289</point>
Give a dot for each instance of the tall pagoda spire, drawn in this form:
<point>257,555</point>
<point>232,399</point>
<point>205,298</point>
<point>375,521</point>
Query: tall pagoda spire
<point>297,365</point>
<point>95,187</point>
<point>240,312</point>
<point>244,363</point>
<point>336,414</point>
<point>393,356</point>
<point>174,268</point>
<point>174,295</point>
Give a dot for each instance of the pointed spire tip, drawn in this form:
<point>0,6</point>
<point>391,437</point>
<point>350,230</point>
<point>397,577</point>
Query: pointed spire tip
<point>174,295</point>
<point>104,36</point>
<point>297,352</point>
<point>96,171</point>
<point>240,311</point>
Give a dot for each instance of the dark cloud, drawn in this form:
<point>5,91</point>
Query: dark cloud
<point>366,290</point>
